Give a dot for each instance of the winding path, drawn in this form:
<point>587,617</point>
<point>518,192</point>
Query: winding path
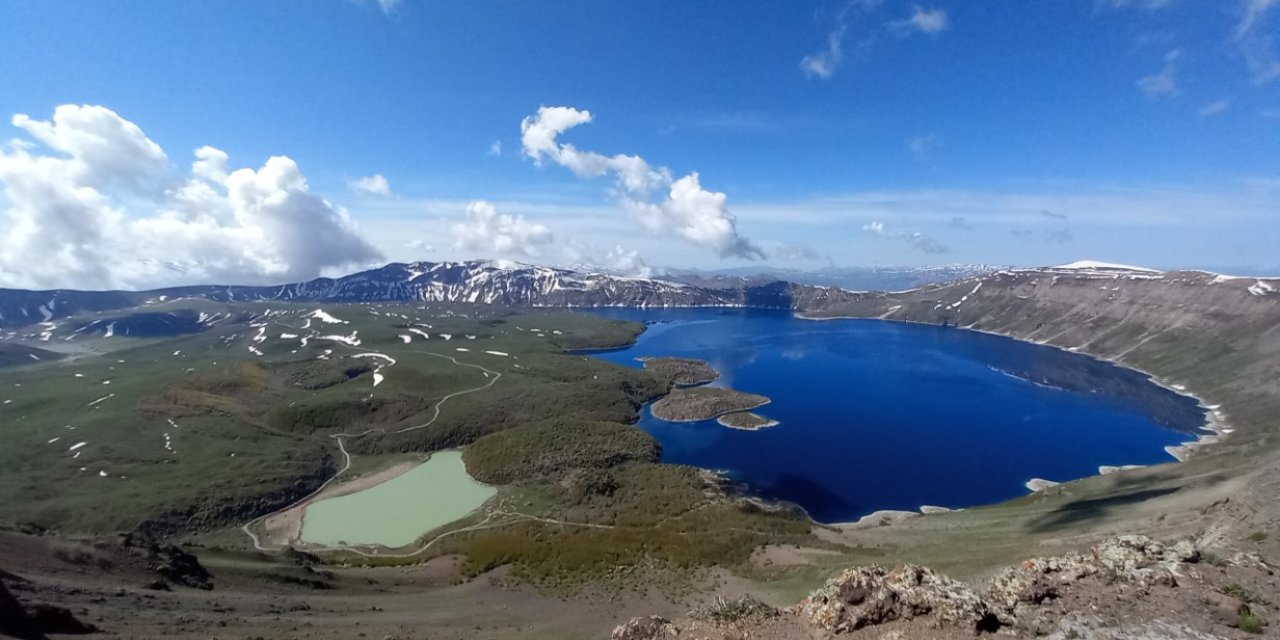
<point>247,527</point>
<point>495,518</point>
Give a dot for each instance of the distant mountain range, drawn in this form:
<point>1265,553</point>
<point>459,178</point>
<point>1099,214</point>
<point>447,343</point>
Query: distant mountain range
<point>505,284</point>
<point>477,282</point>
<point>851,278</point>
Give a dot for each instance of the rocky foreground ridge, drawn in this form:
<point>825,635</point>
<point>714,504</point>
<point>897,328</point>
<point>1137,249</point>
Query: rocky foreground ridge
<point>1128,587</point>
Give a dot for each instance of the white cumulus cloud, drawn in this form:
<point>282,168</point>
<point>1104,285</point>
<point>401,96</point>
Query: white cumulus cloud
<point>491,233</point>
<point>923,20</point>
<point>92,202</point>
<point>376,184</point>
<point>617,260</point>
<point>688,211</point>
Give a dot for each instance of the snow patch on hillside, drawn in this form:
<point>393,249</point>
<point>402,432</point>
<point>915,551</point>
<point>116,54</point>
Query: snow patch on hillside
<point>1093,265</point>
<point>319,314</point>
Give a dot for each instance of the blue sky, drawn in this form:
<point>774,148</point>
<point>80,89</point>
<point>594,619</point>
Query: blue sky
<point>1139,131</point>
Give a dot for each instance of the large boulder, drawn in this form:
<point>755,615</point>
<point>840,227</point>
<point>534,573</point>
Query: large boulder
<point>866,596</point>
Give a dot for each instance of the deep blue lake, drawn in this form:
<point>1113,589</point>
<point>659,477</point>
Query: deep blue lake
<point>881,415</point>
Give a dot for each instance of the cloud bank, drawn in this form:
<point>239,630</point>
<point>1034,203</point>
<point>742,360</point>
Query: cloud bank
<point>92,202</point>
<point>496,234</point>
<point>914,239</point>
<point>688,211</point>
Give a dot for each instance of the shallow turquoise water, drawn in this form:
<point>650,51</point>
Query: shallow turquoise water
<point>398,511</point>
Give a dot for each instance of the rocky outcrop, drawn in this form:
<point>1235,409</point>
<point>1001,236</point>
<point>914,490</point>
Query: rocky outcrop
<point>646,628</point>
<point>1126,587</point>
<point>1131,559</point>
<point>37,620</point>
<point>866,596</point>
<point>170,562</point>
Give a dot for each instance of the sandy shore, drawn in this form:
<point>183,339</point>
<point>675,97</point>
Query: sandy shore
<point>877,519</point>
<point>285,527</point>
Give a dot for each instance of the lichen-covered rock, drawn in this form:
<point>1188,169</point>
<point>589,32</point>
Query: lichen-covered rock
<point>1251,560</point>
<point>646,628</point>
<point>1129,559</point>
<point>1126,554</point>
<point>865,596</point>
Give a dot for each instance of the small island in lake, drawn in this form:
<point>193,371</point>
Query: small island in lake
<point>746,421</point>
<point>684,372</point>
<point>704,403</point>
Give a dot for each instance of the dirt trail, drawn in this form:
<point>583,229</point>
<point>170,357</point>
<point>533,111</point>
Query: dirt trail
<point>340,438</point>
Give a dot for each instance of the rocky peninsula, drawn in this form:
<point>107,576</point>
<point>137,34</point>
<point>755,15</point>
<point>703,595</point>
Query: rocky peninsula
<point>704,403</point>
<point>683,372</point>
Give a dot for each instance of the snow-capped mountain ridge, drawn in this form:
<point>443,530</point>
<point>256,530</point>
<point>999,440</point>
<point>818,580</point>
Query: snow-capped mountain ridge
<point>477,282</point>
<point>511,284</point>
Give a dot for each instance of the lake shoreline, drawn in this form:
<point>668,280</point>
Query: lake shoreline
<point>1215,422</point>
<point>1192,413</point>
<point>375,481</point>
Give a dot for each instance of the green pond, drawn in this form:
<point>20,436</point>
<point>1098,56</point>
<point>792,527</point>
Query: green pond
<point>398,511</point>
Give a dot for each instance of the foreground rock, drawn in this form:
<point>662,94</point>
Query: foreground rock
<point>37,620</point>
<point>704,403</point>
<point>868,596</point>
<point>650,628</point>
<point>1129,587</point>
<point>1134,559</point>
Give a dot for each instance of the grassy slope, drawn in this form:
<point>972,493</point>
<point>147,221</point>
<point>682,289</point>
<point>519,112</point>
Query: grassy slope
<point>17,355</point>
<point>546,451</point>
<point>252,430</point>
